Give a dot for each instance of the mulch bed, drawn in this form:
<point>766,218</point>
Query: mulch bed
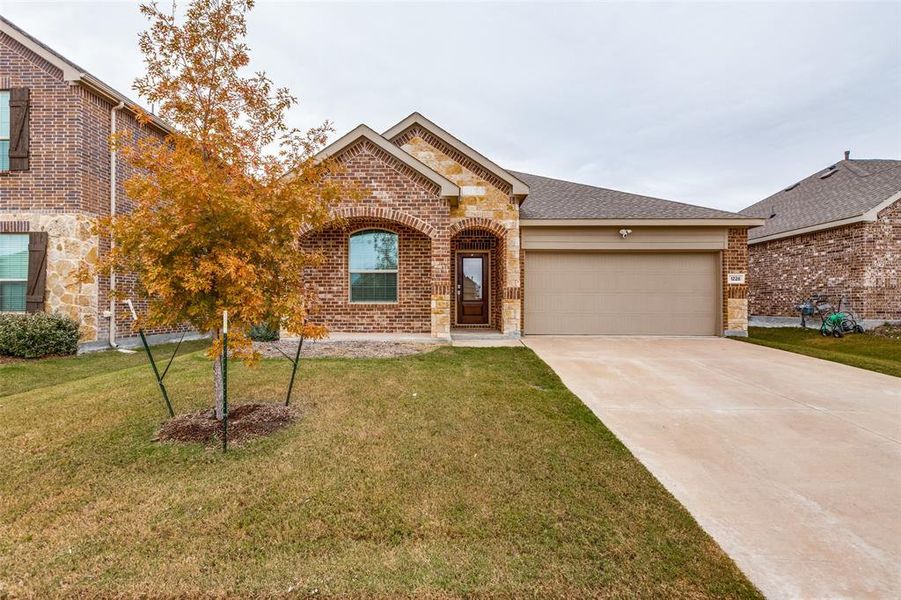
<point>245,421</point>
<point>343,349</point>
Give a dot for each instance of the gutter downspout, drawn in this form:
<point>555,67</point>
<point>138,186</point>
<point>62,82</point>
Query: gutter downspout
<point>113,158</point>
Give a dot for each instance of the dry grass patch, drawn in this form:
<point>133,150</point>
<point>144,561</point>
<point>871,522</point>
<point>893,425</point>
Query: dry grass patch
<point>456,473</point>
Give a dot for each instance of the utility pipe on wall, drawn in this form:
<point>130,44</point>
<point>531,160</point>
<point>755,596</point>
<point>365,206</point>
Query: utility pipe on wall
<point>113,158</point>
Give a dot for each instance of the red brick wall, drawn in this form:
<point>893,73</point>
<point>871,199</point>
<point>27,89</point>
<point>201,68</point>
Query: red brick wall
<point>52,183</point>
<point>735,260</point>
<point>424,266</point>
<point>69,164</point>
<point>412,311</point>
<point>96,184</point>
<point>860,261</point>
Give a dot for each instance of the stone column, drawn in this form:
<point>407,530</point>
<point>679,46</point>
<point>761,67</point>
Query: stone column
<point>735,295</point>
<point>441,264</point>
<point>512,313</point>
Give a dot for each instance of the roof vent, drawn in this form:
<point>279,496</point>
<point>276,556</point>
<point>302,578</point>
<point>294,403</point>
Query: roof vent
<point>772,212</point>
<point>847,155</point>
<point>831,170</point>
<point>791,187</point>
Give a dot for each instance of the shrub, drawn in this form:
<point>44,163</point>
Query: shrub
<point>38,334</point>
<point>264,332</point>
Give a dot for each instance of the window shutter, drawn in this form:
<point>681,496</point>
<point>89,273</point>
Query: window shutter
<point>37,271</point>
<point>18,129</point>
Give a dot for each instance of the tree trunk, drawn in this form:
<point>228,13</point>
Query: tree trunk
<point>217,386</point>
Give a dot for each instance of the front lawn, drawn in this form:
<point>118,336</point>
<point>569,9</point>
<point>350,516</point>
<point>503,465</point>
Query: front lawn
<point>20,375</point>
<point>867,351</point>
<point>454,473</point>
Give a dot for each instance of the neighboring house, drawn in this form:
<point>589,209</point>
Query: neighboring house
<point>446,238</point>
<point>57,176</point>
<point>838,233</point>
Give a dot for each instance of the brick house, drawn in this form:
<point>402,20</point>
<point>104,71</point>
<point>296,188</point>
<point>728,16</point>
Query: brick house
<point>57,175</point>
<point>837,233</point>
<point>446,238</point>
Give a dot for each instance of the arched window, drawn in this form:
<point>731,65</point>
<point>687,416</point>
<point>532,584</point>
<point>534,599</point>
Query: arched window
<point>373,266</point>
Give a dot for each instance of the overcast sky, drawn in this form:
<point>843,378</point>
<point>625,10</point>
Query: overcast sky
<point>719,104</point>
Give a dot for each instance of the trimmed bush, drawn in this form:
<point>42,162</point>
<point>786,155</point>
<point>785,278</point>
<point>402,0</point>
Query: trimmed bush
<point>38,334</point>
<point>264,333</point>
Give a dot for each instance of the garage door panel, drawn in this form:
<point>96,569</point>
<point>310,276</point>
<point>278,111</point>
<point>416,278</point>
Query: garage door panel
<point>621,294</point>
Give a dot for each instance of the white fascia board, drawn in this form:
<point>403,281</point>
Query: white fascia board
<point>449,189</point>
<point>71,72</point>
<point>519,188</point>
<point>654,222</point>
<point>868,217</point>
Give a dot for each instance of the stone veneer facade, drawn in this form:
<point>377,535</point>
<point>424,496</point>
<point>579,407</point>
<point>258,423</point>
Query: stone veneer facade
<point>861,262</point>
<point>67,186</point>
<point>486,205</point>
<point>429,229</point>
<point>735,296</point>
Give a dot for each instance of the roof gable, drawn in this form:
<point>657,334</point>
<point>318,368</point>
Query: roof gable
<point>519,189</point>
<point>448,189</point>
<point>849,191</point>
<point>73,73</point>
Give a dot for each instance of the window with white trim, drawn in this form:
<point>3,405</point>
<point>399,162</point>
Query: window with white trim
<point>373,266</point>
<point>13,271</point>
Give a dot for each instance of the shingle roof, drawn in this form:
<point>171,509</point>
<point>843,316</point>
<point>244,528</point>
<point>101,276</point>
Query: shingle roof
<point>854,187</point>
<point>557,199</point>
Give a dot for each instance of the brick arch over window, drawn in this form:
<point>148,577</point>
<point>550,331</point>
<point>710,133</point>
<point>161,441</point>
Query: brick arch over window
<point>479,223</point>
<point>387,214</point>
<point>410,313</point>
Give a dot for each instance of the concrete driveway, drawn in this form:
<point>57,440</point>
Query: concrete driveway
<point>791,463</point>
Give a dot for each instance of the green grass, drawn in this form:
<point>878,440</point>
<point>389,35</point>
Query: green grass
<point>461,472</point>
<point>867,351</point>
<point>23,375</point>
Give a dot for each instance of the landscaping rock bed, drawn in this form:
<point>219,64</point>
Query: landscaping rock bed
<point>245,421</point>
<point>888,330</point>
<point>343,349</point>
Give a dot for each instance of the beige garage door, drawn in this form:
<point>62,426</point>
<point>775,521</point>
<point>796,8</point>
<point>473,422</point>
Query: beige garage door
<point>621,294</point>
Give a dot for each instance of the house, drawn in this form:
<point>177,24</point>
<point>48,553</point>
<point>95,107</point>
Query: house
<point>836,232</point>
<point>445,239</point>
<point>57,176</point>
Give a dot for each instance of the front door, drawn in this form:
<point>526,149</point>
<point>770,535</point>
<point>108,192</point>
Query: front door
<point>472,288</point>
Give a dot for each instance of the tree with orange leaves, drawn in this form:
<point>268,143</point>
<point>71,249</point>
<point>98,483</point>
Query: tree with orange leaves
<point>220,202</point>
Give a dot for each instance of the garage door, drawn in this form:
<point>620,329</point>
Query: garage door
<point>621,293</point>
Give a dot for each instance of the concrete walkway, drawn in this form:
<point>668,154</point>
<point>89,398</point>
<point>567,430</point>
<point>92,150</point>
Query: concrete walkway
<point>464,338</point>
<point>791,463</point>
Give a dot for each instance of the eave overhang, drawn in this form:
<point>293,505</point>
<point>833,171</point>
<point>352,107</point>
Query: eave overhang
<point>448,189</point>
<point>870,216</point>
<point>519,189</point>
<point>73,74</point>
<point>749,222</point>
